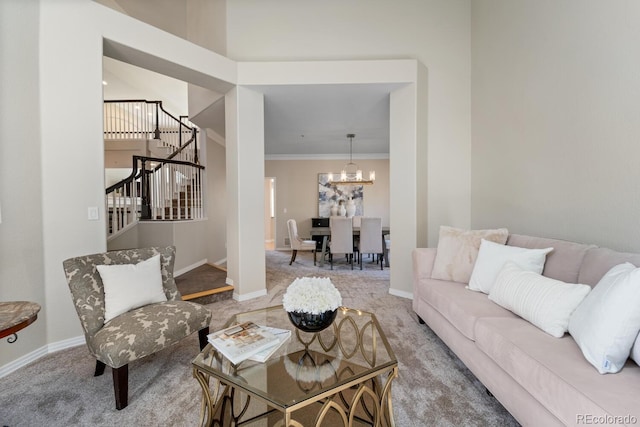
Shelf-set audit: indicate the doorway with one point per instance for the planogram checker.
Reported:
(269, 214)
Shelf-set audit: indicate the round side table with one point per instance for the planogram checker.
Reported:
(16, 315)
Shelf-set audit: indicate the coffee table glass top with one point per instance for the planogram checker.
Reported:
(306, 365)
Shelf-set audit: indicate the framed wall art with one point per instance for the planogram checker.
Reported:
(331, 195)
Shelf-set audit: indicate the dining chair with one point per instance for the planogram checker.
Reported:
(124, 323)
(371, 239)
(387, 249)
(298, 244)
(356, 239)
(341, 241)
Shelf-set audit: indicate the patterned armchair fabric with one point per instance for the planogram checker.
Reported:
(139, 332)
(86, 285)
(147, 330)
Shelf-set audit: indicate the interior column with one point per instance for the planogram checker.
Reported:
(245, 192)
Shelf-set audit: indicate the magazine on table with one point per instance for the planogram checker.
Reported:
(239, 342)
(282, 334)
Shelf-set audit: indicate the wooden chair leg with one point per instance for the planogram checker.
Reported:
(202, 337)
(121, 386)
(293, 256)
(99, 368)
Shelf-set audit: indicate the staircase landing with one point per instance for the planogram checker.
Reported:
(204, 285)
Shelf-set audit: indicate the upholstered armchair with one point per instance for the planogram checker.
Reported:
(140, 331)
(299, 244)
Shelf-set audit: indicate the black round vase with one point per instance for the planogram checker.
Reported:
(308, 322)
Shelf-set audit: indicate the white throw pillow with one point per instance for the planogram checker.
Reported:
(607, 322)
(458, 249)
(545, 302)
(129, 286)
(492, 257)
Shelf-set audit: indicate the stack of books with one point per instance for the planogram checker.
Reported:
(248, 341)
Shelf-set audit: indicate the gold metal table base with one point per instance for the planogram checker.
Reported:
(340, 376)
(224, 405)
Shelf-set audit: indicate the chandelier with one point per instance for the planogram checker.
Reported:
(351, 174)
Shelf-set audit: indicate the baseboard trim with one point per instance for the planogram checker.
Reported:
(249, 296)
(68, 343)
(38, 353)
(401, 294)
(220, 262)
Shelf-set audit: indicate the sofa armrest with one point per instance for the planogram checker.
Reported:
(423, 259)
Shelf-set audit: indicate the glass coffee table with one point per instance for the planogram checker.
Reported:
(337, 377)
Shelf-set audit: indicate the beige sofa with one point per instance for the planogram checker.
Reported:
(539, 379)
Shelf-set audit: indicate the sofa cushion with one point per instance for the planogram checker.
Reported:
(607, 322)
(459, 305)
(547, 303)
(563, 263)
(492, 257)
(598, 261)
(555, 373)
(458, 249)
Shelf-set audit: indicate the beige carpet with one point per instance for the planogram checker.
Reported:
(433, 388)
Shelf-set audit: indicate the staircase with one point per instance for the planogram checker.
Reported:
(166, 179)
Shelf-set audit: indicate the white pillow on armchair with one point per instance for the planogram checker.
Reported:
(129, 286)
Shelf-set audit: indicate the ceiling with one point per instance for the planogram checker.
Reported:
(313, 120)
(300, 120)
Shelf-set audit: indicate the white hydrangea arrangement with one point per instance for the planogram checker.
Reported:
(313, 295)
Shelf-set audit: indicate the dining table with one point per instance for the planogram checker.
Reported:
(325, 233)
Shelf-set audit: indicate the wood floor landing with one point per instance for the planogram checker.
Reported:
(204, 284)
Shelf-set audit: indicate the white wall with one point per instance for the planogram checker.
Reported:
(202, 22)
(72, 162)
(435, 32)
(169, 15)
(216, 202)
(126, 239)
(21, 252)
(556, 119)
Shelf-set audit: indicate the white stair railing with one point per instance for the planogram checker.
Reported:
(176, 192)
(158, 188)
(126, 120)
(123, 204)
